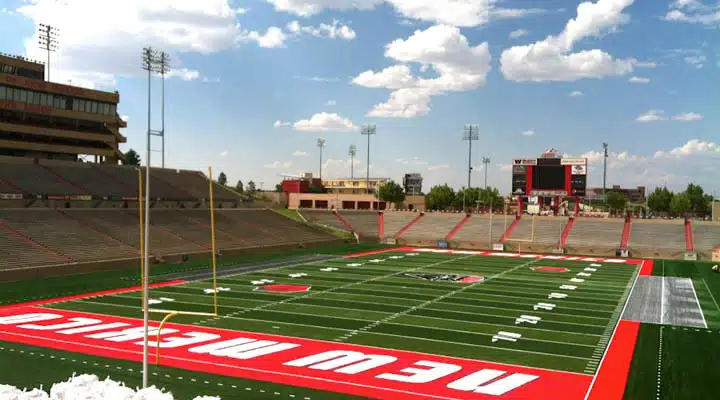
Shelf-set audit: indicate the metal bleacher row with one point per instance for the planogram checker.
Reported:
(32, 177)
(38, 237)
(586, 233)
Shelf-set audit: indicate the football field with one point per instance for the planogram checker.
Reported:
(537, 318)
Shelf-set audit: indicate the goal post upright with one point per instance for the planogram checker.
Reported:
(142, 234)
(212, 240)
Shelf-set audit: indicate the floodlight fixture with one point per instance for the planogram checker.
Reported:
(368, 130)
(351, 152)
(48, 40)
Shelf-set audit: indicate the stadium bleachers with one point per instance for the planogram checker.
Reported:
(83, 235)
(395, 221)
(16, 252)
(665, 235)
(593, 232)
(63, 178)
(433, 226)
(364, 222)
(66, 235)
(706, 235)
(548, 230)
(33, 178)
(477, 229)
(322, 217)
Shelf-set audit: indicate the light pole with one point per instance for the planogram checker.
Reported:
(486, 161)
(605, 157)
(368, 130)
(351, 152)
(148, 64)
(470, 134)
(163, 67)
(320, 145)
(48, 41)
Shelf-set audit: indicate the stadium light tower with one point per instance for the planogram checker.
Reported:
(48, 41)
(470, 134)
(320, 145)
(486, 161)
(162, 67)
(368, 130)
(351, 152)
(605, 157)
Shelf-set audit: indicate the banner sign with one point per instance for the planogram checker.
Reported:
(525, 161)
(579, 169)
(548, 193)
(573, 161)
(80, 197)
(11, 196)
(442, 244)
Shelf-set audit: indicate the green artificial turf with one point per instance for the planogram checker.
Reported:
(706, 282)
(29, 367)
(455, 319)
(684, 367)
(38, 289)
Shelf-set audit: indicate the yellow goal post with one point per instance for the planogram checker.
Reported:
(171, 313)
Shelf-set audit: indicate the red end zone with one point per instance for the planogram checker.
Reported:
(338, 367)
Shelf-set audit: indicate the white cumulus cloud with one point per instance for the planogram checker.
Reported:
(325, 122)
(638, 79)
(332, 31)
(278, 164)
(576, 93)
(518, 33)
(101, 40)
(659, 115)
(692, 147)
(693, 12)
(553, 59)
(460, 67)
(300, 153)
(463, 13)
(528, 133)
(279, 124)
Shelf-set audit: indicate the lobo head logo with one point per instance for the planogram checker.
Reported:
(283, 288)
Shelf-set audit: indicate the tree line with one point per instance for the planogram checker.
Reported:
(693, 200)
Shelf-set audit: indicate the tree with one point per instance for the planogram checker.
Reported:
(681, 203)
(131, 158)
(659, 200)
(491, 197)
(698, 199)
(616, 200)
(440, 197)
(279, 188)
(239, 186)
(251, 188)
(391, 192)
(467, 196)
(222, 179)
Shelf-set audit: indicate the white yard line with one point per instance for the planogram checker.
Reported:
(702, 314)
(662, 298)
(311, 294)
(427, 303)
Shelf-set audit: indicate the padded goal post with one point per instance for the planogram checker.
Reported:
(167, 312)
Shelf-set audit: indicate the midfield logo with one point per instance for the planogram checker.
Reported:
(448, 277)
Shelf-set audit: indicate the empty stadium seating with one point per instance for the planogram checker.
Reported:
(33, 178)
(548, 230)
(364, 222)
(593, 232)
(706, 235)
(322, 217)
(483, 229)
(396, 221)
(37, 237)
(665, 235)
(433, 226)
(63, 178)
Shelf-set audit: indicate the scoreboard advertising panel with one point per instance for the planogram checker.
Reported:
(549, 177)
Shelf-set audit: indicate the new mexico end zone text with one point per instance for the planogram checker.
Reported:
(339, 367)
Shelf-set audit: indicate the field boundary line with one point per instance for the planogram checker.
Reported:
(427, 303)
(702, 314)
(711, 295)
(612, 337)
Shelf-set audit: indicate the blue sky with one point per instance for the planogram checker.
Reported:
(256, 82)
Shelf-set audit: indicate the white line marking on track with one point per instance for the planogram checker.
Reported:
(659, 364)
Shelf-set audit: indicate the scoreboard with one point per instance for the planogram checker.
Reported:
(549, 176)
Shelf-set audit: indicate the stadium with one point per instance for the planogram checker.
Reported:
(169, 278)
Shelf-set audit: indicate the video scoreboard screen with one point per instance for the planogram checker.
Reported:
(549, 177)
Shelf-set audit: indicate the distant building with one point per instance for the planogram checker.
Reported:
(41, 119)
(412, 184)
(353, 186)
(636, 195)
